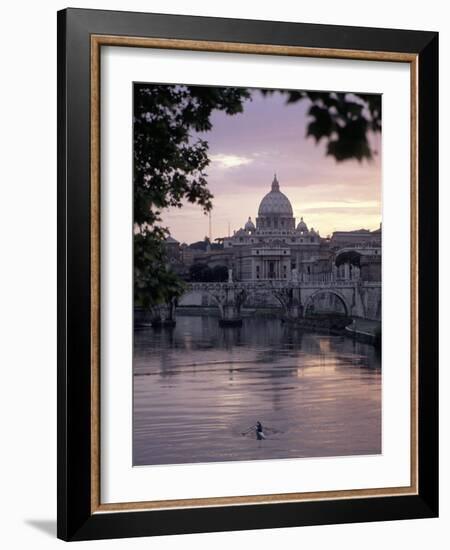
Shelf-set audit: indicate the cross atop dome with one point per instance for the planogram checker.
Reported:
(275, 184)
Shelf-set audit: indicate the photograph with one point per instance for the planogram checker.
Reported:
(257, 276)
(247, 258)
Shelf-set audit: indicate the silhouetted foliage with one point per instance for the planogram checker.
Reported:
(201, 272)
(220, 273)
(349, 257)
(169, 163)
(342, 120)
(154, 282)
(169, 168)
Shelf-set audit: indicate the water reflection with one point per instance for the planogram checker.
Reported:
(198, 386)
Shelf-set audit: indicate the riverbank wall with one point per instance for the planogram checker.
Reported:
(362, 330)
(213, 311)
(366, 331)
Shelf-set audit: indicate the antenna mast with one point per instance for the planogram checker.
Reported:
(210, 228)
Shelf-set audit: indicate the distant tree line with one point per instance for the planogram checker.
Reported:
(200, 272)
(349, 257)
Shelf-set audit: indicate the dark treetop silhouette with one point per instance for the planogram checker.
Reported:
(170, 164)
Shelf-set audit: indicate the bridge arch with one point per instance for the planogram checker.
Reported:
(295, 300)
(228, 298)
(195, 297)
(322, 291)
(213, 294)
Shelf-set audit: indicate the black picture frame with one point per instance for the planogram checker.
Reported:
(76, 520)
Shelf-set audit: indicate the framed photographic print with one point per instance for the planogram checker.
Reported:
(247, 274)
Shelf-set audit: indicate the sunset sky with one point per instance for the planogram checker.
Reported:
(269, 136)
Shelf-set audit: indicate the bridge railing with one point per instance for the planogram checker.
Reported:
(267, 285)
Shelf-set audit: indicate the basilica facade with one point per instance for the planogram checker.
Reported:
(275, 247)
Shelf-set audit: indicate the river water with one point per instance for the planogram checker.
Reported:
(198, 387)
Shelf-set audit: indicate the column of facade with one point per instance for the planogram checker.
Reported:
(346, 272)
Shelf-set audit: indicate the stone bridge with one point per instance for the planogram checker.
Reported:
(357, 298)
